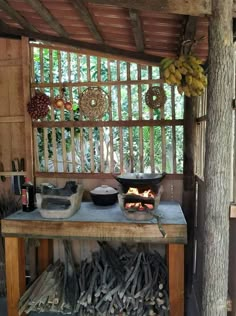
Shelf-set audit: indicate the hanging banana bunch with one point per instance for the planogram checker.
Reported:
(186, 72)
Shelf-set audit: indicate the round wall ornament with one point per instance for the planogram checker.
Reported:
(94, 102)
(38, 107)
(155, 97)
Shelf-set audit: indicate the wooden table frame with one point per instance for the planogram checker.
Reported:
(15, 231)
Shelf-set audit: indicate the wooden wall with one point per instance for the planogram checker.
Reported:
(15, 127)
(172, 185)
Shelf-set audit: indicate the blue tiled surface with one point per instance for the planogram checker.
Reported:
(169, 212)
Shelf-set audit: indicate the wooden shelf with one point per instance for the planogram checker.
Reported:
(90, 175)
(12, 173)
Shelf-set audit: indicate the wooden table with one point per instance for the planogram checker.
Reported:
(99, 223)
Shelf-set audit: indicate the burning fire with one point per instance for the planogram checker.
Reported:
(140, 206)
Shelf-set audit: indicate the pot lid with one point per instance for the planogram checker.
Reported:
(104, 189)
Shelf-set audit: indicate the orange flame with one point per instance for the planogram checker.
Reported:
(147, 193)
(139, 206)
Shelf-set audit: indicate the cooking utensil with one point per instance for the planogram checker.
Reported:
(136, 179)
(104, 195)
(3, 178)
(18, 165)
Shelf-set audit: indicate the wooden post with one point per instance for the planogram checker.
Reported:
(175, 261)
(26, 97)
(188, 183)
(15, 272)
(45, 254)
(218, 160)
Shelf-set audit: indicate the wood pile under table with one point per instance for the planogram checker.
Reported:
(119, 281)
(99, 223)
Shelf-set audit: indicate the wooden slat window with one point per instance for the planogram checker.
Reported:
(130, 137)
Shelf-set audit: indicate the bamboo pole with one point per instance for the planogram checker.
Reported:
(101, 132)
(173, 129)
(102, 83)
(110, 118)
(140, 109)
(152, 154)
(72, 130)
(130, 119)
(54, 143)
(120, 118)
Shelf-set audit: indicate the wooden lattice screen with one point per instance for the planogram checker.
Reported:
(130, 137)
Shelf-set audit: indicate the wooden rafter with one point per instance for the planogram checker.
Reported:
(195, 8)
(131, 123)
(137, 29)
(47, 17)
(189, 33)
(107, 51)
(190, 27)
(84, 13)
(4, 5)
(3, 26)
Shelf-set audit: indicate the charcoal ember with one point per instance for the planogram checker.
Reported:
(38, 106)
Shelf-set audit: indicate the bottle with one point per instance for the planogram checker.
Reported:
(27, 196)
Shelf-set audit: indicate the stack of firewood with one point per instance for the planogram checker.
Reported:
(115, 282)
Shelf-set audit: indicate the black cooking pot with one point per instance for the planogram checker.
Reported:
(136, 179)
(104, 195)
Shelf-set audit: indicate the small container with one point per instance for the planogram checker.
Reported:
(27, 196)
(104, 195)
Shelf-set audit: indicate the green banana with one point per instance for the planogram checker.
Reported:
(166, 62)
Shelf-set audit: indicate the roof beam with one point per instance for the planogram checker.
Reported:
(190, 28)
(47, 17)
(84, 13)
(137, 29)
(189, 33)
(4, 5)
(83, 47)
(195, 8)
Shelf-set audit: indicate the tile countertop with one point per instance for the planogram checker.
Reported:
(100, 222)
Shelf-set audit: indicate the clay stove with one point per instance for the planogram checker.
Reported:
(139, 194)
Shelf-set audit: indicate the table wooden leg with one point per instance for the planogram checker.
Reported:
(175, 261)
(45, 254)
(15, 272)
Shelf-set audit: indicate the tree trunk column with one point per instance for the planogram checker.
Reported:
(217, 161)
